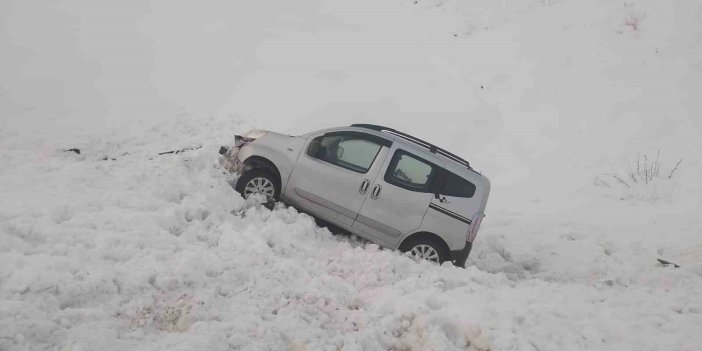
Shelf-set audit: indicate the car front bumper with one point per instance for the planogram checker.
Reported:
(459, 257)
(230, 158)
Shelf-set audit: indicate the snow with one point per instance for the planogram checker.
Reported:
(120, 248)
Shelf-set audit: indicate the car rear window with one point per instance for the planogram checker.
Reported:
(410, 172)
(457, 186)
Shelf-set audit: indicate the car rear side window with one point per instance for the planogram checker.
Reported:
(353, 151)
(410, 172)
(457, 186)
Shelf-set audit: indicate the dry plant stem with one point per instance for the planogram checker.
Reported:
(619, 179)
(672, 172)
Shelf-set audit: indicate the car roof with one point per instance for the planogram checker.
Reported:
(419, 142)
(449, 160)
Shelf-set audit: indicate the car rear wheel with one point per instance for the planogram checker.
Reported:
(427, 248)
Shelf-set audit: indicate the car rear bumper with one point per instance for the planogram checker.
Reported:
(459, 257)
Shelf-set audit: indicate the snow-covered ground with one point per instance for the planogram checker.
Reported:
(119, 248)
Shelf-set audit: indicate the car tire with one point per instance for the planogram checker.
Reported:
(259, 181)
(428, 248)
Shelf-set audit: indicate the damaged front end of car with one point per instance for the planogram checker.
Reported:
(230, 153)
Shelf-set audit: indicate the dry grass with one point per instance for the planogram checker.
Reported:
(642, 177)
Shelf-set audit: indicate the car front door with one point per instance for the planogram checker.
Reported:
(334, 173)
(398, 198)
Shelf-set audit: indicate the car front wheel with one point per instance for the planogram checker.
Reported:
(257, 181)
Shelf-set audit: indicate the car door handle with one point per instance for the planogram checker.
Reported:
(376, 191)
(364, 186)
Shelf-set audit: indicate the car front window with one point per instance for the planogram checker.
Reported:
(350, 151)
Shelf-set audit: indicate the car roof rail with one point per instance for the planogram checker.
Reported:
(432, 148)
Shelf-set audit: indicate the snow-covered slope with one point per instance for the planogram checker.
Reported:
(119, 248)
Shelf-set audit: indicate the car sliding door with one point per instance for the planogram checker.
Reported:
(398, 198)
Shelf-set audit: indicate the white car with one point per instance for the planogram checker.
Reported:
(375, 182)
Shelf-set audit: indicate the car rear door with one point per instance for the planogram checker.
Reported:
(452, 210)
(399, 197)
(333, 175)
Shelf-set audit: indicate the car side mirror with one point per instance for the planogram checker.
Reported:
(317, 149)
(339, 152)
(323, 152)
(314, 148)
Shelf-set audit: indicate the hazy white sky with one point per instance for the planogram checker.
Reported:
(124, 59)
(520, 87)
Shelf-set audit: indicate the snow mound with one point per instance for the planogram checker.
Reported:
(140, 251)
(160, 252)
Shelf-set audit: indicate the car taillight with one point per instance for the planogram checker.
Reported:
(474, 226)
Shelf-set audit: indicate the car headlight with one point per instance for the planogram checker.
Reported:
(255, 134)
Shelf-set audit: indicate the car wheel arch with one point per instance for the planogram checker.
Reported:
(421, 235)
(262, 163)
